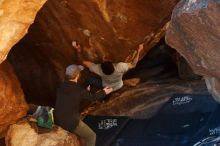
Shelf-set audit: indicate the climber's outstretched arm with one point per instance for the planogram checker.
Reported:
(87, 64)
(133, 63)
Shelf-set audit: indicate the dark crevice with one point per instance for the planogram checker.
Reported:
(158, 64)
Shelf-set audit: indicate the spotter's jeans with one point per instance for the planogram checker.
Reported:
(86, 133)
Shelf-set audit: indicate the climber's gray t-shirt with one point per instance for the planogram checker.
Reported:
(114, 80)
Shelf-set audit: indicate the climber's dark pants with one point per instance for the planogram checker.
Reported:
(95, 82)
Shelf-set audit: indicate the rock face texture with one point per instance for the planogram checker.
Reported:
(213, 85)
(12, 105)
(194, 32)
(185, 72)
(105, 29)
(27, 133)
(15, 18)
(144, 100)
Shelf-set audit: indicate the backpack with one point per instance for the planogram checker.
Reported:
(44, 116)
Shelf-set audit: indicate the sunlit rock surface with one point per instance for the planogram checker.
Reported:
(194, 32)
(12, 103)
(15, 18)
(26, 133)
(106, 29)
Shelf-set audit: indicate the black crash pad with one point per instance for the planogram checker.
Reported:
(185, 120)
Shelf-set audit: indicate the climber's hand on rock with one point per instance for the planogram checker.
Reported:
(108, 90)
(76, 46)
(141, 47)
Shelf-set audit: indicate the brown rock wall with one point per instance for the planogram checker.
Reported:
(105, 29)
(13, 105)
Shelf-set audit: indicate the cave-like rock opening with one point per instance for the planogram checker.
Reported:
(158, 64)
(107, 30)
(39, 78)
(40, 58)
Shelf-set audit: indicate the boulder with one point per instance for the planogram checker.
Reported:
(105, 30)
(194, 31)
(26, 133)
(13, 105)
(15, 18)
(144, 100)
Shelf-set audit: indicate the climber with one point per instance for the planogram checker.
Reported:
(111, 73)
(69, 97)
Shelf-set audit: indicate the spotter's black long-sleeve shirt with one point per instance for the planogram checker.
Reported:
(69, 97)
